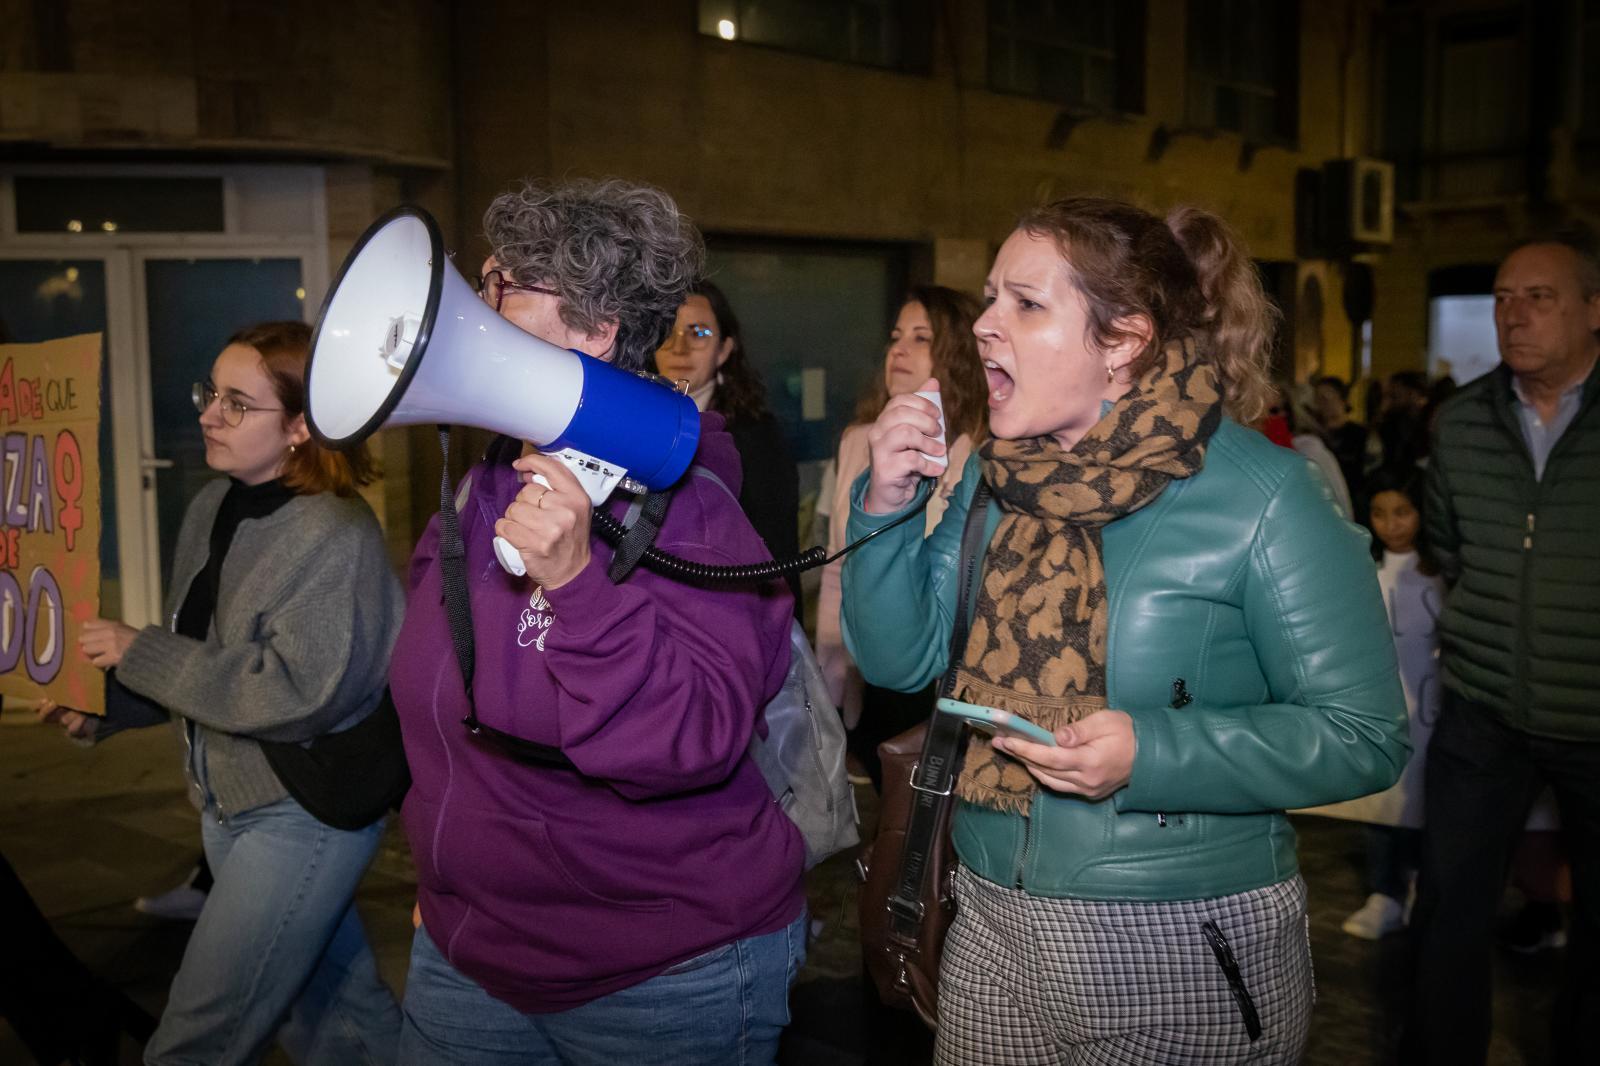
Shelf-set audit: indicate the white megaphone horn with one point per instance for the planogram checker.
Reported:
(403, 340)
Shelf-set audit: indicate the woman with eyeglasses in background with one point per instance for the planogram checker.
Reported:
(930, 346)
(705, 350)
(282, 612)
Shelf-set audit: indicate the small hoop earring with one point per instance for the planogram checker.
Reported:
(1111, 375)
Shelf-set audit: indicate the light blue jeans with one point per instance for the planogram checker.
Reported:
(279, 950)
(727, 1007)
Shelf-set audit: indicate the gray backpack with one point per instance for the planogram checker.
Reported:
(802, 755)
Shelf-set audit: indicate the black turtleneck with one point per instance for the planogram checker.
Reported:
(241, 502)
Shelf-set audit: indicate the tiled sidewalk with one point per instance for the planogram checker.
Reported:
(89, 830)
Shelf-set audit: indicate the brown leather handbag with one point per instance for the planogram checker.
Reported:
(907, 906)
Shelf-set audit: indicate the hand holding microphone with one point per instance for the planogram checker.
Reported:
(907, 444)
(546, 528)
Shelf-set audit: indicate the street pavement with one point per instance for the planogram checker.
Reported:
(91, 829)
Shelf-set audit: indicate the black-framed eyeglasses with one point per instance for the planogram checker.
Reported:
(494, 285)
(233, 408)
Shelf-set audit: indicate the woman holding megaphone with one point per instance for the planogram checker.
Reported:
(642, 902)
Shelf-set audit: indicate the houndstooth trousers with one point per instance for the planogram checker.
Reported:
(1029, 981)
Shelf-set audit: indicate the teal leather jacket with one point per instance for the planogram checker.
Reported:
(1241, 582)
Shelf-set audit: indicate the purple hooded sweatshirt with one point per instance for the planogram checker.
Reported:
(551, 887)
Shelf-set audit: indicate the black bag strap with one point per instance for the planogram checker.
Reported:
(452, 567)
(453, 576)
(933, 778)
(641, 534)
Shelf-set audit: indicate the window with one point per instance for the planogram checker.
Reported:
(1477, 113)
(1244, 68)
(1589, 70)
(1455, 97)
(63, 204)
(1401, 87)
(1461, 337)
(1082, 53)
(881, 33)
(1481, 130)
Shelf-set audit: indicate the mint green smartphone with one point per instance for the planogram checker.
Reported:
(995, 721)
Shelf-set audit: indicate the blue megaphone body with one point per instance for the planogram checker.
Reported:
(403, 340)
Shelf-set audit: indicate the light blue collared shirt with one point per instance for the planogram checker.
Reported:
(1542, 436)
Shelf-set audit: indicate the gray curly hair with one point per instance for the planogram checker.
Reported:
(615, 251)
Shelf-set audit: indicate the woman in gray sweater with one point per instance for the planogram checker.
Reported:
(281, 616)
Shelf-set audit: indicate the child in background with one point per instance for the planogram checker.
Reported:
(1414, 594)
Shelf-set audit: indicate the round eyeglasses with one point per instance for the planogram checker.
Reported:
(494, 285)
(233, 408)
(694, 335)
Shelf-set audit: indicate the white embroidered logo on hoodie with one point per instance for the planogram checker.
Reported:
(535, 622)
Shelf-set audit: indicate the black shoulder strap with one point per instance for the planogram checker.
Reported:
(452, 575)
(934, 777)
(641, 534)
(452, 566)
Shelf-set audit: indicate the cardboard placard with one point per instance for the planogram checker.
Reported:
(50, 519)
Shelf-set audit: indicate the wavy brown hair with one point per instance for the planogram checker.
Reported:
(285, 349)
(963, 388)
(1188, 275)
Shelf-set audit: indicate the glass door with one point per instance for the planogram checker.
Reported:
(168, 261)
(190, 307)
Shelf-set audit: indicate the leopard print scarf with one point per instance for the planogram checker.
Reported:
(1037, 646)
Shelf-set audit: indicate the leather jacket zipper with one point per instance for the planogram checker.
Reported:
(1223, 951)
(1180, 700)
(1027, 846)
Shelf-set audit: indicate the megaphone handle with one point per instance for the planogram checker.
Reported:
(511, 559)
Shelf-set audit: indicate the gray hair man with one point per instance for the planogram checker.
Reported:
(1513, 514)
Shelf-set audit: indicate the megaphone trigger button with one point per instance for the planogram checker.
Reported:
(509, 558)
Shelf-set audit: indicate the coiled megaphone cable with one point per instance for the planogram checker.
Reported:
(689, 572)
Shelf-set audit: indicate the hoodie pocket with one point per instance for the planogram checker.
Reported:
(530, 919)
(492, 858)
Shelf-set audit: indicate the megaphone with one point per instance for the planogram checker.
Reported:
(403, 340)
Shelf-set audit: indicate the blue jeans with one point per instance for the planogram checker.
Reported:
(279, 950)
(727, 1007)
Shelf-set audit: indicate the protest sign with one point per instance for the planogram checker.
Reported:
(50, 519)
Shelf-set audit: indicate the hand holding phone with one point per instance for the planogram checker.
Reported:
(996, 722)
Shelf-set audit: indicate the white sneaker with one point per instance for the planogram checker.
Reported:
(1377, 918)
(179, 904)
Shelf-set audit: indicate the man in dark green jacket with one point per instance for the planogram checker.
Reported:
(1513, 514)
